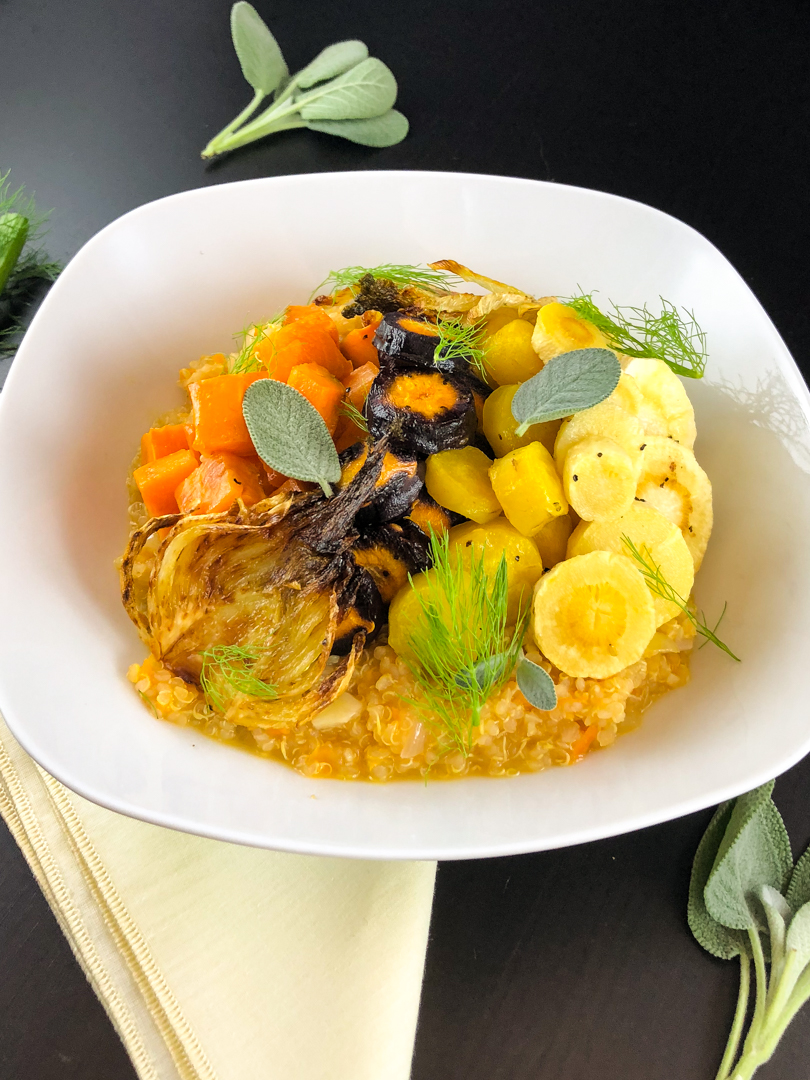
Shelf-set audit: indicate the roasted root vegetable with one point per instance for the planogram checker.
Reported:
(400, 335)
(559, 329)
(509, 356)
(500, 426)
(161, 441)
(301, 342)
(459, 480)
(593, 615)
(217, 483)
(599, 479)
(314, 315)
(358, 346)
(428, 516)
(361, 608)
(396, 489)
(652, 534)
(219, 425)
(421, 411)
(268, 579)
(358, 384)
(552, 540)
(321, 389)
(527, 486)
(158, 480)
(389, 554)
(524, 565)
(672, 481)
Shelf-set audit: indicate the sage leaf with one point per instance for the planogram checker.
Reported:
(778, 914)
(798, 893)
(332, 61)
(715, 938)
(798, 936)
(259, 54)
(485, 673)
(754, 851)
(369, 89)
(385, 130)
(536, 685)
(289, 433)
(569, 383)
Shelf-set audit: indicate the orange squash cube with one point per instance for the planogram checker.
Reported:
(158, 480)
(159, 442)
(217, 483)
(219, 426)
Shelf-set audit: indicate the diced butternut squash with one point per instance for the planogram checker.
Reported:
(219, 426)
(347, 433)
(298, 343)
(359, 383)
(358, 346)
(459, 480)
(528, 488)
(311, 313)
(162, 441)
(217, 483)
(158, 480)
(321, 390)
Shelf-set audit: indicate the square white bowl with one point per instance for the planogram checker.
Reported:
(174, 279)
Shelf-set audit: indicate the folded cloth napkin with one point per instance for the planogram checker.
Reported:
(220, 962)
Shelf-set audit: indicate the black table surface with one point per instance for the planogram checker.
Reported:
(573, 964)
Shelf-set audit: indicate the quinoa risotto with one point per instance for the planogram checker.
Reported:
(367, 550)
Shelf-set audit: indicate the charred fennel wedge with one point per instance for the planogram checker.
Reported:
(270, 579)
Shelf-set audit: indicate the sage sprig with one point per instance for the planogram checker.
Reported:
(747, 899)
(343, 91)
(289, 434)
(569, 383)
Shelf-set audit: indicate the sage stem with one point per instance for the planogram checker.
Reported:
(211, 150)
(739, 1019)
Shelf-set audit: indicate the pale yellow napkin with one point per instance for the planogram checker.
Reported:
(220, 962)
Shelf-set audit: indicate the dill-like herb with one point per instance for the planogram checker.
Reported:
(464, 340)
(246, 361)
(149, 702)
(33, 268)
(402, 276)
(227, 671)
(674, 337)
(658, 584)
(349, 410)
(463, 651)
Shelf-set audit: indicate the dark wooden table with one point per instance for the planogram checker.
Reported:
(569, 965)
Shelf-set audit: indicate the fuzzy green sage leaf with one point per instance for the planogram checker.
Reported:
(257, 50)
(715, 938)
(385, 130)
(289, 434)
(332, 61)
(798, 891)
(343, 91)
(369, 89)
(536, 685)
(754, 851)
(569, 383)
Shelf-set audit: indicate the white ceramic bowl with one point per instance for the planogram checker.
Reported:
(175, 279)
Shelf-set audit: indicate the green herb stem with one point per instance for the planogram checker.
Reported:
(659, 585)
(462, 647)
(733, 1044)
(212, 149)
(674, 338)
